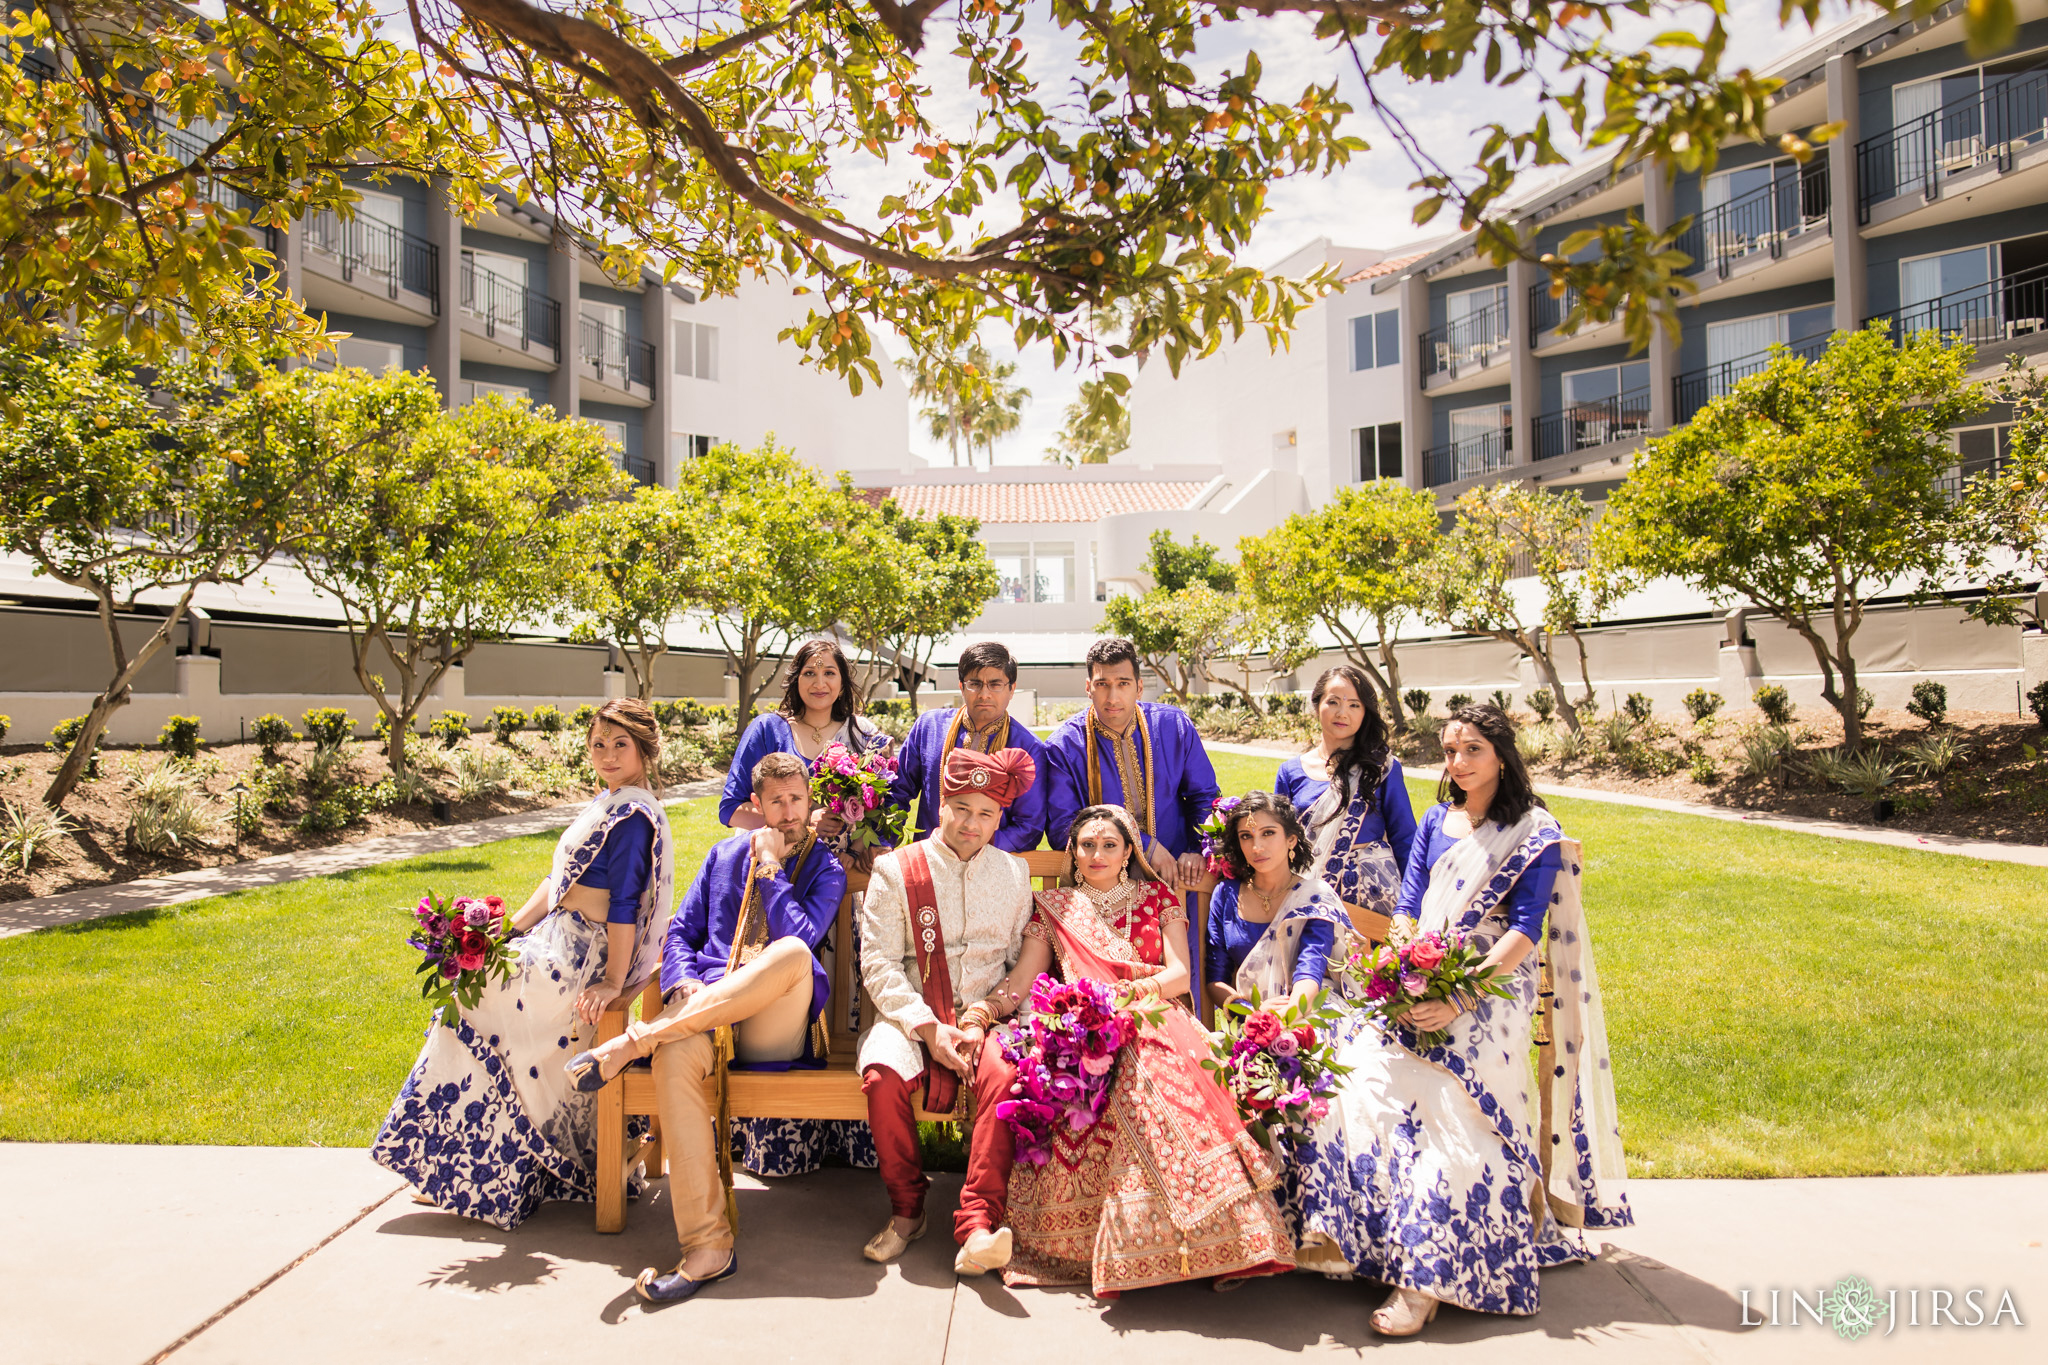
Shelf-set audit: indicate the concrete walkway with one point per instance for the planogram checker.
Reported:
(125, 1255)
(2029, 854)
(153, 893)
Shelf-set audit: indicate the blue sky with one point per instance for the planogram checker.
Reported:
(1368, 203)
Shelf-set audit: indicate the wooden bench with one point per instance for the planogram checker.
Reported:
(828, 1092)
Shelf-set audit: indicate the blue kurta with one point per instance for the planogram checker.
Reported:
(1232, 938)
(1391, 819)
(699, 939)
(770, 734)
(917, 777)
(1183, 790)
(1524, 906)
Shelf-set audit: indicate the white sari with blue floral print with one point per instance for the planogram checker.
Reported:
(488, 1124)
(1435, 1182)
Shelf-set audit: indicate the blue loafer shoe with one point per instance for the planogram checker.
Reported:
(674, 1286)
(585, 1072)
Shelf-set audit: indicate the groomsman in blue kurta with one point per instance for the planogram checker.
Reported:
(988, 679)
(1144, 756)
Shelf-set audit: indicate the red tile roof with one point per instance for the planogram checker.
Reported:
(1386, 267)
(1042, 502)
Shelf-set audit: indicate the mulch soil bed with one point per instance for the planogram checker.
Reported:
(99, 852)
(1994, 792)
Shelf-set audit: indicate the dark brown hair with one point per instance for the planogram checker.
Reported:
(1516, 794)
(636, 718)
(1263, 802)
(1111, 652)
(1134, 863)
(845, 706)
(987, 654)
(1361, 765)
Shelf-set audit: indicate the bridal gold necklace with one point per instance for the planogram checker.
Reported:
(1115, 898)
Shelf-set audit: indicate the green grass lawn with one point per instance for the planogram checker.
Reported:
(1778, 1004)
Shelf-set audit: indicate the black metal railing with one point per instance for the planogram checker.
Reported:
(1694, 389)
(641, 470)
(1956, 480)
(612, 356)
(1469, 458)
(1997, 310)
(1795, 204)
(1465, 344)
(1596, 422)
(513, 315)
(1984, 127)
(1546, 314)
(392, 257)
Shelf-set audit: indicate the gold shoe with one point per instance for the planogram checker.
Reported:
(886, 1245)
(1406, 1312)
(983, 1251)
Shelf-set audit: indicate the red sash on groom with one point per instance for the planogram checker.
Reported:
(941, 1085)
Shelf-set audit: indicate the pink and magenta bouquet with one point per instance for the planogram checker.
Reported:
(1278, 1064)
(1063, 1044)
(855, 787)
(466, 941)
(1211, 831)
(1405, 971)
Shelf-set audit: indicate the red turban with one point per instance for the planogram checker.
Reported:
(1002, 776)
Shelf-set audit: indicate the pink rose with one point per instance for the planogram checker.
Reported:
(1262, 1028)
(1319, 1111)
(1425, 954)
(1413, 984)
(1285, 1045)
(469, 962)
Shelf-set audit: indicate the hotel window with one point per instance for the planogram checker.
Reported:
(1376, 340)
(471, 390)
(695, 350)
(1378, 450)
(684, 446)
(374, 356)
(1043, 572)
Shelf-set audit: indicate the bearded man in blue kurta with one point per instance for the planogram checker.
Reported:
(1144, 756)
(988, 679)
(740, 951)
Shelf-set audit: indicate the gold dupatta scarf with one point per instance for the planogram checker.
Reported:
(984, 741)
(1128, 774)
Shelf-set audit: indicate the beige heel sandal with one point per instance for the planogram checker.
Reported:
(1405, 1313)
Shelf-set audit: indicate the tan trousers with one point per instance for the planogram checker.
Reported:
(768, 1002)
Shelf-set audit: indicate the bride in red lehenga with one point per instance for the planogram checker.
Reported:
(1167, 1185)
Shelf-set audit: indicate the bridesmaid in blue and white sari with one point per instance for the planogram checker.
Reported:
(1449, 1197)
(488, 1124)
(820, 706)
(1352, 796)
(1274, 928)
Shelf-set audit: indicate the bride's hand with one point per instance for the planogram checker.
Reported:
(592, 1000)
(1431, 1015)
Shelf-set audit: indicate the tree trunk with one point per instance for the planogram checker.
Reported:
(1843, 699)
(1392, 687)
(1540, 653)
(116, 694)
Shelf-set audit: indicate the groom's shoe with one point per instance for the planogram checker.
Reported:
(674, 1286)
(888, 1244)
(983, 1251)
(586, 1074)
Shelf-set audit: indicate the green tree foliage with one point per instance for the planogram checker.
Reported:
(435, 531)
(942, 579)
(118, 488)
(2005, 508)
(635, 577)
(1514, 567)
(1194, 627)
(772, 558)
(1095, 426)
(1807, 491)
(1358, 559)
(151, 144)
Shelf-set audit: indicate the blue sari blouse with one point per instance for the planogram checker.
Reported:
(1524, 906)
(621, 867)
(1232, 938)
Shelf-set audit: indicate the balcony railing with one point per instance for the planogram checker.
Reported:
(641, 470)
(612, 356)
(1997, 310)
(513, 315)
(393, 258)
(1470, 457)
(1760, 222)
(1984, 127)
(1547, 313)
(1694, 389)
(1466, 344)
(1599, 422)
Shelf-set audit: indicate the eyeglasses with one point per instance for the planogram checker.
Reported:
(973, 685)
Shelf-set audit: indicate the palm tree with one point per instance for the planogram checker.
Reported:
(996, 406)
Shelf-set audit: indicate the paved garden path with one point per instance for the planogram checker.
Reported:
(126, 1255)
(121, 898)
(2030, 854)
